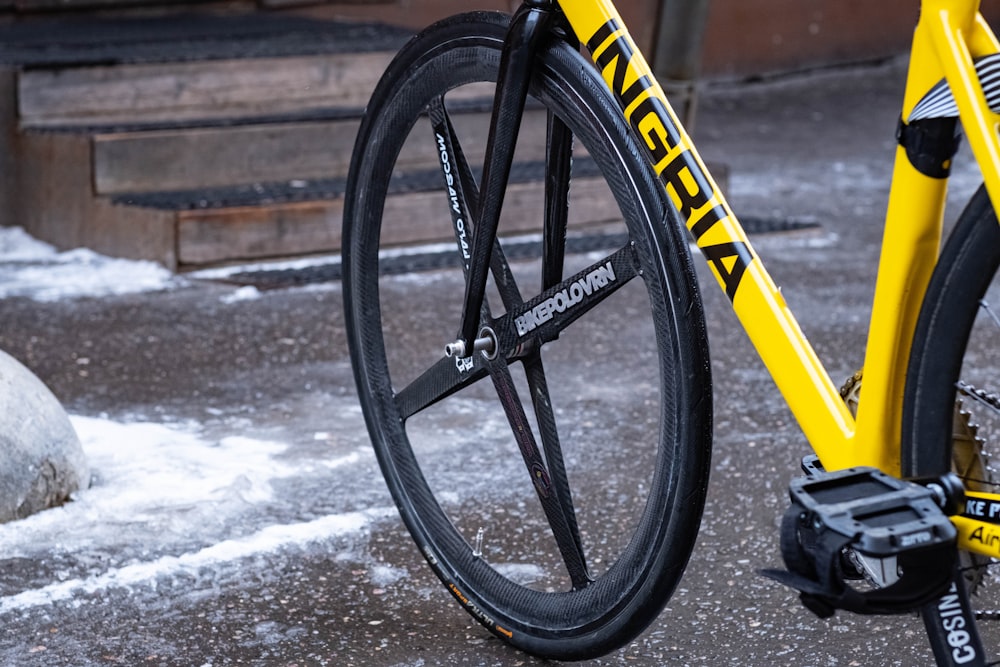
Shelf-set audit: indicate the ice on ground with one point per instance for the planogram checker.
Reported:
(270, 538)
(223, 272)
(386, 575)
(36, 270)
(151, 479)
(167, 500)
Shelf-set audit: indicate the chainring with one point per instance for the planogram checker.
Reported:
(969, 461)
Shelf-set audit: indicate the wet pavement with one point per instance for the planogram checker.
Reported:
(301, 560)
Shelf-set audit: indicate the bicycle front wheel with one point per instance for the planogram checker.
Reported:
(555, 486)
(952, 403)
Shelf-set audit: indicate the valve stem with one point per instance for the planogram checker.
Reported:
(477, 551)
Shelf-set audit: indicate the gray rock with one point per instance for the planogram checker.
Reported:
(41, 459)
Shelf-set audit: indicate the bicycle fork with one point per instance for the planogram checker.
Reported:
(547, 473)
(523, 37)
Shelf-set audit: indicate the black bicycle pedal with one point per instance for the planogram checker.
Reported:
(862, 525)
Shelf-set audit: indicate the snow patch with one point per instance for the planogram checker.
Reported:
(245, 293)
(385, 575)
(149, 478)
(164, 489)
(36, 270)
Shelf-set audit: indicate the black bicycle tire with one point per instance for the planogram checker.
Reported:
(603, 616)
(967, 265)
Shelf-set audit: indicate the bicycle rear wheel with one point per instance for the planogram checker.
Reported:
(556, 489)
(952, 402)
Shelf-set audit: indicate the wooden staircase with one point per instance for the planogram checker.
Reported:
(126, 134)
(187, 140)
(195, 140)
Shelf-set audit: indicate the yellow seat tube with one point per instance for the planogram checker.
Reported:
(907, 260)
(909, 250)
(946, 37)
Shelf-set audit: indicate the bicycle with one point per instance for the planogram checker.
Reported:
(897, 510)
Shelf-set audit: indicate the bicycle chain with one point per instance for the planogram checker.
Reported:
(965, 430)
(987, 398)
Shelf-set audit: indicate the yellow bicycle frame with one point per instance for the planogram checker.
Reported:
(949, 35)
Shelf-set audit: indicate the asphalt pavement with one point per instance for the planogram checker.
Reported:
(311, 566)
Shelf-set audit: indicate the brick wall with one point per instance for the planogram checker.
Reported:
(742, 37)
(754, 36)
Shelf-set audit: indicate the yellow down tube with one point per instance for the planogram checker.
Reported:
(758, 303)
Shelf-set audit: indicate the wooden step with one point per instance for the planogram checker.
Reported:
(144, 161)
(213, 157)
(170, 93)
(175, 69)
(214, 236)
(54, 201)
(216, 225)
(81, 40)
